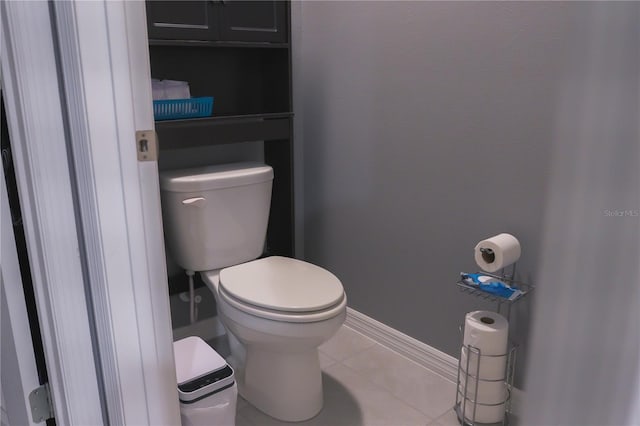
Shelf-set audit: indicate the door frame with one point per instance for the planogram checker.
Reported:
(18, 370)
(34, 118)
(76, 91)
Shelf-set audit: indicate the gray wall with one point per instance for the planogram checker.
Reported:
(426, 127)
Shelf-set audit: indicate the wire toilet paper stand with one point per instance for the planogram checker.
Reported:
(503, 306)
(468, 408)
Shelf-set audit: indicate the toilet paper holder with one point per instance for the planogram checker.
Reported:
(508, 277)
(467, 406)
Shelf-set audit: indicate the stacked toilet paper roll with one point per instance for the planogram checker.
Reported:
(483, 366)
(497, 252)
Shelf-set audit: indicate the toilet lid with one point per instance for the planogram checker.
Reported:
(282, 284)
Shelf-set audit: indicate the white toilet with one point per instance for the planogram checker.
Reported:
(279, 309)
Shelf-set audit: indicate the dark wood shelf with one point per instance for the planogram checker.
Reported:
(176, 134)
(205, 43)
(240, 53)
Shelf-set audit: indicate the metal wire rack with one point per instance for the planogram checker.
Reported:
(503, 304)
(468, 408)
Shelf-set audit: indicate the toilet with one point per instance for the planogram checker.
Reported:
(276, 310)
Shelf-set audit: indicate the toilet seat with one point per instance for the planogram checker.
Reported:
(282, 289)
(281, 316)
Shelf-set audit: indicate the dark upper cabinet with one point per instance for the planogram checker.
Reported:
(257, 21)
(221, 20)
(182, 20)
(238, 52)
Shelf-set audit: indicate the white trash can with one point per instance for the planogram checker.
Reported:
(206, 384)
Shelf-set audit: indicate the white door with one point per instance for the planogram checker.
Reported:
(18, 373)
(77, 87)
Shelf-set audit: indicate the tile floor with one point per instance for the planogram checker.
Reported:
(367, 384)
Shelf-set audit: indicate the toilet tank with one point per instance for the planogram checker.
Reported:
(216, 216)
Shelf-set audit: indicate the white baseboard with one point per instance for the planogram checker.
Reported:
(417, 351)
(422, 354)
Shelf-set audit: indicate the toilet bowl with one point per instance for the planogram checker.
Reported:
(276, 310)
(280, 372)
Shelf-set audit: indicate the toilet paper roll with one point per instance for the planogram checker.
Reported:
(488, 331)
(489, 393)
(491, 398)
(483, 413)
(497, 252)
(488, 367)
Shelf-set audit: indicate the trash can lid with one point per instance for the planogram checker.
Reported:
(195, 358)
(200, 370)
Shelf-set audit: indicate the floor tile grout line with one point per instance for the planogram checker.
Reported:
(357, 351)
(389, 390)
(417, 364)
(382, 388)
(327, 355)
(403, 356)
(331, 359)
(443, 415)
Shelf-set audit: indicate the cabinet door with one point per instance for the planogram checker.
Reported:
(255, 21)
(182, 20)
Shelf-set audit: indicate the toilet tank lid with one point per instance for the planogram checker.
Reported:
(215, 177)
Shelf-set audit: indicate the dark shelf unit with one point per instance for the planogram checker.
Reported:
(176, 134)
(239, 53)
(223, 20)
(197, 43)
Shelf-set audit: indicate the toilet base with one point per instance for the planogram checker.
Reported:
(286, 386)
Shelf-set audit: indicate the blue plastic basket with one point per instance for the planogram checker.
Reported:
(175, 109)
